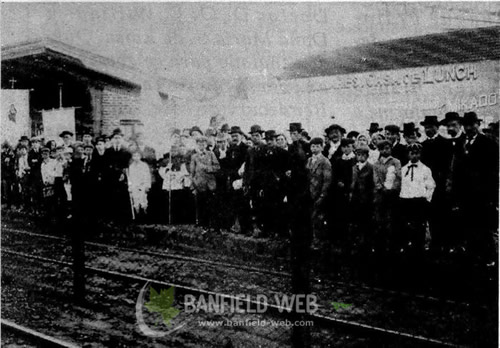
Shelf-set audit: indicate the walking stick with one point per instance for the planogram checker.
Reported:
(130, 197)
(170, 188)
(196, 207)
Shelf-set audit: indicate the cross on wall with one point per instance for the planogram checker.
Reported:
(12, 82)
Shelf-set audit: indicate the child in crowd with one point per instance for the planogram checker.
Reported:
(139, 183)
(387, 176)
(417, 187)
(341, 186)
(361, 200)
(48, 172)
(320, 175)
(176, 183)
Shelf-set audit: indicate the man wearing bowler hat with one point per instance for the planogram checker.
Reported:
(332, 150)
(274, 167)
(117, 159)
(434, 150)
(399, 151)
(252, 178)
(374, 128)
(299, 203)
(67, 138)
(236, 156)
(477, 181)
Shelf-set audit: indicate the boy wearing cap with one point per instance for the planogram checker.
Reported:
(417, 187)
(319, 176)
(387, 176)
(341, 185)
(361, 200)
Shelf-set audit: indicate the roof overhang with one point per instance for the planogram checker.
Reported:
(71, 57)
(459, 46)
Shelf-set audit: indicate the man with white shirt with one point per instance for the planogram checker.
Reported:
(417, 188)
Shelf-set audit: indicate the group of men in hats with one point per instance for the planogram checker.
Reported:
(378, 192)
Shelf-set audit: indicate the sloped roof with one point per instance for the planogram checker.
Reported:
(79, 56)
(459, 46)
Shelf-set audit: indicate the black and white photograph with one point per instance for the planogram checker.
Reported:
(249, 174)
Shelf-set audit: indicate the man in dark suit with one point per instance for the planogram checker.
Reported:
(434, 150)
(236, 156)
(452, 155)
(332, 149)
(274, 167)
(298, 198)
(224, 214)
(398, 150)
(252, 179)
(35, 175)
(477, 176)
(117, 160)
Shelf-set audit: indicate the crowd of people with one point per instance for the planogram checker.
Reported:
(373, 191)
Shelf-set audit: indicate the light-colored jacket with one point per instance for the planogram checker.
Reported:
(203, 167)
(320, 177)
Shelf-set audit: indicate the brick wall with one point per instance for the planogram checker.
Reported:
(117, 104)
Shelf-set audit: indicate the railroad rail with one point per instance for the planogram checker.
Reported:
(320, 320)
(31, 335)
(247, 268)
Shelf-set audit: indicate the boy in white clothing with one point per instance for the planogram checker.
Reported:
(139, 183)
(417, 187)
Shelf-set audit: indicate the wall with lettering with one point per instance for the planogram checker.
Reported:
(355, 100)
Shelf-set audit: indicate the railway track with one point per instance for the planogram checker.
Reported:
(225, 265)
(40, 339)
(319, 320)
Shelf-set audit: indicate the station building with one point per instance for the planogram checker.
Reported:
(48, 86)
(393, 81)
